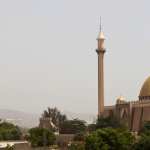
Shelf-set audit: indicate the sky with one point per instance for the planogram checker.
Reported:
(48, 58)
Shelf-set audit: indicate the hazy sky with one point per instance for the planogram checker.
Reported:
(48, 58)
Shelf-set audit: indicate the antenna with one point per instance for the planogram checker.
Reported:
(100, 24)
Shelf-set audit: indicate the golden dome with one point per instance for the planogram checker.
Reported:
(120, 100)
(145, 90)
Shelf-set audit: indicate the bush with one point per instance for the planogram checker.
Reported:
(41, 137)
(9, 131)
(73, 127)
(92, 127)
(145, 128)
(109, 122)
(76, 146)
(143, 143)
(109, 139)
(79, 137)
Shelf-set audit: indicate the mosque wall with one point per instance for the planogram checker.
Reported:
(136, 118)
(146, 114)
(133, 115)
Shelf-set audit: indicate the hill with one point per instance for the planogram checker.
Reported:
(28, 120)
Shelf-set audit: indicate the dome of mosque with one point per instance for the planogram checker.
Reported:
(120, 100)
(145, 90)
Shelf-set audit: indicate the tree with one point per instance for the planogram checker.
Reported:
(105, 122)
(73, 126)
(109, 139)
(92, 127)
(57, 117)
(76, 146)
(9, 131)
(41, 137)
(79, 137)
(146, 128)
(143, 143)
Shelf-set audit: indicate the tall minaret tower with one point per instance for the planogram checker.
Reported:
(100, 51)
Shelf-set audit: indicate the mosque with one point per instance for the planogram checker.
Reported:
(131, 113)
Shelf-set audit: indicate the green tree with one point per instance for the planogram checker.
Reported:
(106, 122)
(57, 117)
(143, 143)
(73, 126)
(146, 128)
(41, 137)
(9, 131)
(109, 139)
(92, 127)
(76, 146)
(79, 137)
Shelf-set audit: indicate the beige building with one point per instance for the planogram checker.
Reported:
(132, 113)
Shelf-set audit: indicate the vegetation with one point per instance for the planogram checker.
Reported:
(73, 126)
(146, 128)
(57, 117)
(143, 143)
(106, 134)
(109, 139)
(76, 146)
(79, 137)
(91, 127)
(107, 122)
(41, 137)
(9, 131)
(144, 140)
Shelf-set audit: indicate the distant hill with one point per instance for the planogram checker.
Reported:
(29, 120)
(19, 118)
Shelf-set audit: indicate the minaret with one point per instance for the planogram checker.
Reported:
(100, 51)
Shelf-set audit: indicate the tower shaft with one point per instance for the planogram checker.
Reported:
(100, 81)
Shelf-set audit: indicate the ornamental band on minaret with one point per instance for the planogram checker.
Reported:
(100, 51)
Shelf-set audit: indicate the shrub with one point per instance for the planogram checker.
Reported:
(41, 137)
(9, 131)
(109, 139)
(76, 146)
(73, 127)
(79, 137)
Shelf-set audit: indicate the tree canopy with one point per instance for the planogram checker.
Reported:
(9, 131)
(41, 137)
(73, 126)
(143, 143)
(57, 117)
(109, 139)
(146, 128)
(107, 122)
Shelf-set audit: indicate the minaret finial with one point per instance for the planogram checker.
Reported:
(100, 35)
(100, 24)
